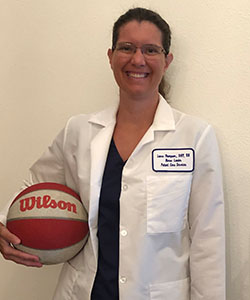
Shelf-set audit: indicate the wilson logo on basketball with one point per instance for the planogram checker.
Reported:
(45, 202)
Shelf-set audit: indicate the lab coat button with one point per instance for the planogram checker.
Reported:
(125, 187)
(123, 279)
(124, 232)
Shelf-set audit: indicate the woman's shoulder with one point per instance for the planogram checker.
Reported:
(86, 120)
(188, 120)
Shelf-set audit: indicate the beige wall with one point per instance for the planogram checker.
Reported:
(53, 65)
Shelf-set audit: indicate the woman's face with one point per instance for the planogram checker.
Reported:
(136, 74)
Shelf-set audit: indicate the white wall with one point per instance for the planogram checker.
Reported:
(53, 64)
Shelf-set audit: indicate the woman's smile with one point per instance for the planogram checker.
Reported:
(136, 75)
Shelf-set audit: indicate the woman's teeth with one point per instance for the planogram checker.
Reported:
(137, 75)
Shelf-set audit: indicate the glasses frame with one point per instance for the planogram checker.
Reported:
(142, 48)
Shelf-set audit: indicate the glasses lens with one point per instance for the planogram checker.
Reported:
(151, 50)
(125, 48)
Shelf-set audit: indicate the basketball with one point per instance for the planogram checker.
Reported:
(50, 220)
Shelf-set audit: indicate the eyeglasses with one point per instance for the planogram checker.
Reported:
(148, 50)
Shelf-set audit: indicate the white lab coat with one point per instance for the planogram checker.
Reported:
(171, 223)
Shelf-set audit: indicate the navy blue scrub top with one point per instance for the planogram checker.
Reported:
(106, 280)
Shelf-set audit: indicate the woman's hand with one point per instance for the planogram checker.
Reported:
(10, 253)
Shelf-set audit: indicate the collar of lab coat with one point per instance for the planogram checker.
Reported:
(163, 120)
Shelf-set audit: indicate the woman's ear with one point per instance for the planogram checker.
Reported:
(168, 59)
(110, 55)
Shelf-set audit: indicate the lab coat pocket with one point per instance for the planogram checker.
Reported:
(167, 202)
(174, 290)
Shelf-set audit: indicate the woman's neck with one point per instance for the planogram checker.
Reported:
(136, 110)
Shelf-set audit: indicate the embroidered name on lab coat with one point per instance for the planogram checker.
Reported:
(173, 160)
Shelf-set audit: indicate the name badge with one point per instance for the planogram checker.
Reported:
(173, 160)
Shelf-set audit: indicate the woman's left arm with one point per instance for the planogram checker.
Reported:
(206, 222)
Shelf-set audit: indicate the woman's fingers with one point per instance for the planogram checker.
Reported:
(10, 253)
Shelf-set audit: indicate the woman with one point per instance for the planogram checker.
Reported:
(150, 179)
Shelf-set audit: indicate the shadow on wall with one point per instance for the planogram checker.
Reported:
(237, 285)
(240, 285)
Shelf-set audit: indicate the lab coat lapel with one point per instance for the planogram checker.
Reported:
(102, 129)
(163, 121)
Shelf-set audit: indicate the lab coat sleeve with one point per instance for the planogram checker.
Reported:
(206, 222)
(49, 168)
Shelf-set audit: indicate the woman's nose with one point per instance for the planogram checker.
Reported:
(138, 58)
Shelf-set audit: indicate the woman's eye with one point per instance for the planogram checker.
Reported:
(151, 50)
(126, 48)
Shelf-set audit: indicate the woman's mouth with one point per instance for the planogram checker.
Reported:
(136, 74)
